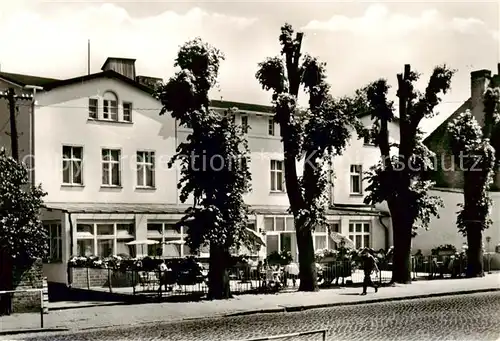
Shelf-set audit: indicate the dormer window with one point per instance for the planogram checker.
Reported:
(110, 107)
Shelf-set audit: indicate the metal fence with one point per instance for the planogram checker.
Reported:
(443, 266)
(242, 280)
(193, 282)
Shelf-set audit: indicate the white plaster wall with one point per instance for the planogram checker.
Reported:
(62, 119)
(444, 230)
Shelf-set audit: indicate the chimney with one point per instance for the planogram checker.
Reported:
(479, 81)
(124, 66)
(150, 82)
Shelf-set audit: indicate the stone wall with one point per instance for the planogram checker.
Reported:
(84, 278)
(27, 276)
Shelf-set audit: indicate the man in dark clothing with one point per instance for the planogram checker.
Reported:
(369, 264)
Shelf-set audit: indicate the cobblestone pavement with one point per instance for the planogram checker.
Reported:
(464, 317)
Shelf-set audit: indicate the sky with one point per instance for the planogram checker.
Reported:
(360, 41)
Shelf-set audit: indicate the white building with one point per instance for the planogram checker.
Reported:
(95, 138)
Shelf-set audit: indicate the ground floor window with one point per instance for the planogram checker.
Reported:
(323, 238)
(280, 235)
(54, 233)
(170, 240)
(359, 233)
(105, 239)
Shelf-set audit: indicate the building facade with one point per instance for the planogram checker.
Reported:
(100, 149)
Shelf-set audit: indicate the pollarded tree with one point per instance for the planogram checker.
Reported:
(213, 172)
(477, 159)
(22, 236)
(399, 179)
(314, 135)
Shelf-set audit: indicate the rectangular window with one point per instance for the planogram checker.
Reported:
(271, 127)
(286, 242)
(85, 247)
(333, 227)
(269, 224)
(72, 161)
(54, 232)
(359, 233)
(105, 239)
(127, 112)
(93, 108)
(110, 110)
(244, 124)
(145, 169)
(171, 240)
(277, 176)
(272, 243)
(279, 224)
(356, 179)
(111, 172)
(319, 242)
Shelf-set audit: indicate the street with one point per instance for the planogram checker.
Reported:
(466, 317)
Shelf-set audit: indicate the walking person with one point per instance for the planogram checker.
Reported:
(369, 264)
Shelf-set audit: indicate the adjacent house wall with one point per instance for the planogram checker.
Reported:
(444, 230)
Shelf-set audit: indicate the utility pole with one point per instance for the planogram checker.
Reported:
(11, 99)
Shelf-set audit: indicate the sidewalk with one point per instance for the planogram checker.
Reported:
(128, 315)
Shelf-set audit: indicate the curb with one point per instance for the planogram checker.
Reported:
(89, 306)
(291, 309)
(33, 330)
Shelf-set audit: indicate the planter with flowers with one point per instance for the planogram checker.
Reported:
(279, 258)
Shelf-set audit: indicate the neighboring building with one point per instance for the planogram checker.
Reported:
(448, 173)
(101, 152)
(449, 178)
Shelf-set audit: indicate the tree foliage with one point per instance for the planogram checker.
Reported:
(472, 145)
(211, 158)
(315, 135)
(399, 178)
(21, 232)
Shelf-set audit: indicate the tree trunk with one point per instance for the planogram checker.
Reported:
(402, 230)
(6, 268)
(307, 265)
(474, 250)
(218, 277)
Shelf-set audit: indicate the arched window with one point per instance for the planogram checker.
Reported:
(110, 106)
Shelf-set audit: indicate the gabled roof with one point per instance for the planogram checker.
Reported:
(51, 83)
(23, 80)
(440, 131)
(107, 74)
